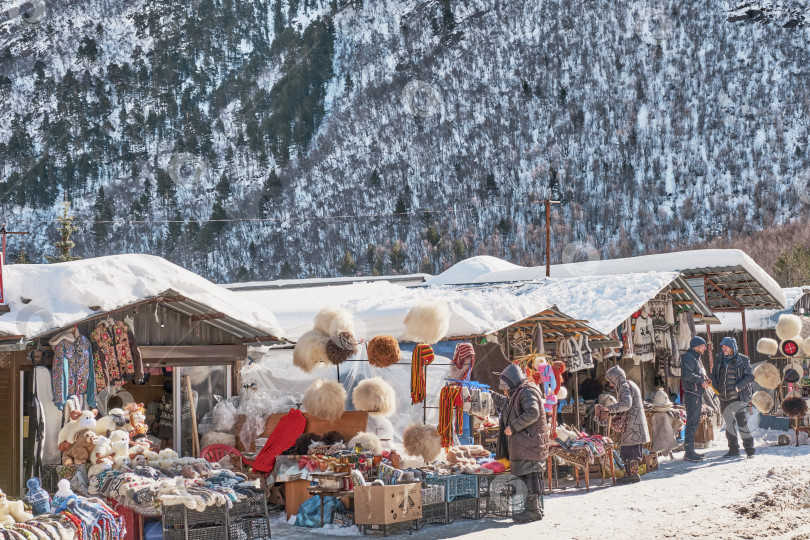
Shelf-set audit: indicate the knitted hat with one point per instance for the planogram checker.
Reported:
(37, 497)
(696, 341)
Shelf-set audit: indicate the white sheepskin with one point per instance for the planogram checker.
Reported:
(374, 395)
(789, 326)
(368, 441)
(218, 437)
(768, 346)
(333, 320)
(767, 376)
(427, 322)
(562, 393)
(310, 351)
(423, 441)
(806, 346)
(325, 399)
(762, 401)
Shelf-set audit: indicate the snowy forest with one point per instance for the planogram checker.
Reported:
(261, 139)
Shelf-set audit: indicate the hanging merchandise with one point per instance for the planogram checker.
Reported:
(71, 367)
(685, 328)
(449, 402)
(422, 356)
(116, 357)
(283, 437)
(383, 351)
(463, 360)
(537, 340)
(576, 353)
(643, 336)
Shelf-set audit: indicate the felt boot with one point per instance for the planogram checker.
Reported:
(732, 453)
(690, 455)
(532, 511)
(750, 452)
(631, 470)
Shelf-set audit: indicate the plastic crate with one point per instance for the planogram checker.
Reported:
(435, 513)
(462, 509)
(484, 481)
(432, 495)
(249, 529)
(456, 485)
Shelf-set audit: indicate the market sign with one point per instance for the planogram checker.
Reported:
(790, 347)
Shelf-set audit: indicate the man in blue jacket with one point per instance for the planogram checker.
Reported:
(694, 383)
(732, 377)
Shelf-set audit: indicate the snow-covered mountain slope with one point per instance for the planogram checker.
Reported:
(270, 138)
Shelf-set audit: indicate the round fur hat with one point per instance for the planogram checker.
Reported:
(423, 441)
(375, 396)
(762, 401)
(310, 351)
(340, 347)
(383, 351)
(806, 346)
(562, 393)
(333, 320)
(767, 376)
(427, 322)
(767, 346)
(325, 399)
(797, 340)
(789, 326)
(793, 372)
(794, 406)
(368, 441)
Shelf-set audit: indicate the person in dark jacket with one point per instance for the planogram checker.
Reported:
(694, 383)
(732, 377)
(523, 423)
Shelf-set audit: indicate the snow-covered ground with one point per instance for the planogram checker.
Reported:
(763, 497)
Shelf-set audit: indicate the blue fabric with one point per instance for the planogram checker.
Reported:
(691, 375)
(697, 341)
(309, 513)
(731, 343)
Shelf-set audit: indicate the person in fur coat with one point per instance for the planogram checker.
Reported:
(732, 377)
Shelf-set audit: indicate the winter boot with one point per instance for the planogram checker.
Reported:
(631, 470)
(732, 453)
(532, 511)
(750, 452)
(690, 454)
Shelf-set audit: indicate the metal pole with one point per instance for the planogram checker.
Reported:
(548, 238)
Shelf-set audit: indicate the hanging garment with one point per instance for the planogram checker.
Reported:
(685, 329)
(449, 403)
(283, 437)
(116, 357)
(627, 339)
(537, 340)
(462, 363)
(643, 336)
(674, 364)
(71, 366)
(422, 356)
(549, 385)
(51, 416)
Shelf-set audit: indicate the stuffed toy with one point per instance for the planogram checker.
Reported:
(37, 498)
(12, 512)
(310, 351)
(375, 396)
(340, 348)
(119, 449)
(788, 327)
(137, 419)
(101, 450)
(427, 322)
(767, 346)
(99, 466)
(115, 419)
(383, 351)
(333, 320)
(80, 451)
(368, 441)
(122, 462)
(762, 401)
(423, 441)
(767, 375)
(325, 399)
(79, 420)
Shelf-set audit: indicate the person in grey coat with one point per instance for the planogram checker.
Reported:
(732, 377)
(523, 425)
(694, 382)
(636, 433)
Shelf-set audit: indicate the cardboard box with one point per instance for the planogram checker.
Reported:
(383, 505)
(651, 461)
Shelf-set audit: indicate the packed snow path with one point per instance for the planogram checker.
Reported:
(763, 497)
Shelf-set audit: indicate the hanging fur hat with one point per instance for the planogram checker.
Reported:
(793, 372)
(333, 320)
(794, 406)
(341, 347)
(375, 396)
(762, 401)
(423, 441)
(325, 399)
(332, 437)
(797, 340)
(767, 346)
(562, 393)
(767, 376)
(806, 346)
(427, 322)
(788, 327)
(383, 351)
(368, 441)
(310, 351)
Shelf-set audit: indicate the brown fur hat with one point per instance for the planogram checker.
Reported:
(423, 441)
(794, 406)
(332, 437)
(325, 399)
(383, 351)
(301, 446)
(340, 348)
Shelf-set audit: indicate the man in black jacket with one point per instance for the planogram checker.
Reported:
(732, 377)
(694, 384)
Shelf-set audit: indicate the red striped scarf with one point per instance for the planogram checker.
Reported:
(449, 399)
(422, 356)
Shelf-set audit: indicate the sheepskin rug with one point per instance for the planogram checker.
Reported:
(310, 351)
(767, 376)
(375, 396)
(368, 441)
(427, 322)
(333, 320)
(762, 401)
(789, 326)
(423, 441)
(340, 347)
(325, 399)
(767, 346)
(383, 351)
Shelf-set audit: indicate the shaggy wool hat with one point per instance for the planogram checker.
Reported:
(333, 320)
(768, 346)
(341, 347)
(427, 322)
(375, 396)
(562, 393)
(767, 376)
(325, 399)
(793, 372)
(422, 441)
(368, 441)
(788, 327)
(762, 401)
(383, 351)
(332, 437)
(794, 406)
(310, 351)
(806, 346)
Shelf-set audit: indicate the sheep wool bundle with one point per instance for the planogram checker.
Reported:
(767, 376)
(788, 327)
(427, 322)
(333, 320)
(423, 441)
(340, 348)
(762, 401)
(383, 351)
(375, 396)
(767, 346)
(368, 441)
(310, 351)
(325, 399)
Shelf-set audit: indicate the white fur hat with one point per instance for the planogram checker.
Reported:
(427, 322)
(767, 346)
(333, 320)
(374, 395)
(796, 366)
(562, 393)
(806, 346)
(795, 339)
(310, 351)
(762, 401)
(325, 399)
(767, 376)
(423, 441)
(789, 326)
(368, 441)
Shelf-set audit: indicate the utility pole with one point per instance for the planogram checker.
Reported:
(3, 307)
(548, 202)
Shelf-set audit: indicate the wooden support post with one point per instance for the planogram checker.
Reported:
(745, 333)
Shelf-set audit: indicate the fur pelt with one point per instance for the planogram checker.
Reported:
(218, 437)
(789, 326)
(383, 351)
(768, 346)
(301, 446)
(325, 399)
(340, 347)
(767, 375)
(368, 441)
(794, 406)
(427, 322)
(762, 401)
(375, 396)
(332, 437)
(310, 351)
(423, 441)
(333, 320)
(806, 346)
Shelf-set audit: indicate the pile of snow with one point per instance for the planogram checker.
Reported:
(43, 297)
(469, 270)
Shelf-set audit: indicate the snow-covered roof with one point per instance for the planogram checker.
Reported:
(45, 297)
(760, 319)
(404, 279)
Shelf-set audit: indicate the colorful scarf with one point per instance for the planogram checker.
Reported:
(449, 399)
(422, 356)
(283, 437)
(464, 358)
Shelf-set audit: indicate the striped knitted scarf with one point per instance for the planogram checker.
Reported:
(422, 356)
(449, 399)
(464, 358)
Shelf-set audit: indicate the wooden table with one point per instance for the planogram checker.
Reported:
(295, 493)
(608, 455)
(321, 492)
